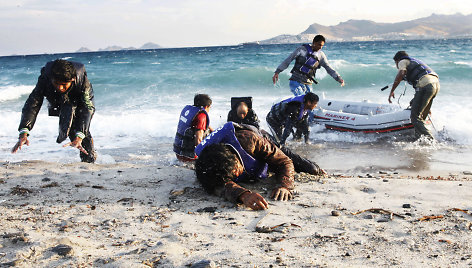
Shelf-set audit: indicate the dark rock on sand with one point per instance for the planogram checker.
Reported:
(207, 209)
(10, 264)
(16, 237)
(62, 249)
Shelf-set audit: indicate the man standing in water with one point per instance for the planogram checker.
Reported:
(308, 58)
(426, 84)
(70, 95)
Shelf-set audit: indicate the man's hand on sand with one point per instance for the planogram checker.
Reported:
(77, 143)
(282, 194)
(254, 201)
(23, 139)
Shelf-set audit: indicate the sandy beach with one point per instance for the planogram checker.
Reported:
(133, 215)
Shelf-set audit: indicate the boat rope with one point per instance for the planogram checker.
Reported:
(401, 95)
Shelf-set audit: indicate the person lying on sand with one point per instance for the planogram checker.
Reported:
(238, 153)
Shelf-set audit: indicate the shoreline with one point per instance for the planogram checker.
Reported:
(140, 215)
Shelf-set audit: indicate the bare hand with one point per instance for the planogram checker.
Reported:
(341, 81)
(392, 95)
(275, 78)
(77, 143)
(254, 201)
(282, 194)
(23, 139)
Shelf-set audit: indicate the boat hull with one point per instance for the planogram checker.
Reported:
(362, 117)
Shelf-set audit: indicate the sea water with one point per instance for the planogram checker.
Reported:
(139, 95)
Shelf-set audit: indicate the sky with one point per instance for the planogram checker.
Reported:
(53, 26)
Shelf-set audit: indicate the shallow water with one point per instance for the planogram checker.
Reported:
(139, 95)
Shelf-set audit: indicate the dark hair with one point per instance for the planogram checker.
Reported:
(215, 166)
(318, 38)
(400, 54)
(202, 100)
(310, 97)
(63, 71)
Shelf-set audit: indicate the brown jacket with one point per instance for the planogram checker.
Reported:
(263, 150)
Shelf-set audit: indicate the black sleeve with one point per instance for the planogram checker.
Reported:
(86, 107)
(33, 104)
(254, 119)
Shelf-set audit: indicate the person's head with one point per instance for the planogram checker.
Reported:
(63, 75)
(399, 55)
(318, 42)
(242, 110)
(216, 165)
(202, 100)
(310, 101)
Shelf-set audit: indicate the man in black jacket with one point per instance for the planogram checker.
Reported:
(70, 95)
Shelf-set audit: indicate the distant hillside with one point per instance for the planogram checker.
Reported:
(83, 49)
(148, 45)
(434, 26)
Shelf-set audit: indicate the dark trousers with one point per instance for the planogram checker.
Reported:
(87, 144)
(420, 107)
(300, 163)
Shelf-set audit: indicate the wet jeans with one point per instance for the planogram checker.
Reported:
(420, 107)
(298, 88)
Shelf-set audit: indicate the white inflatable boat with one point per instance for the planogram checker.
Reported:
(363, 116)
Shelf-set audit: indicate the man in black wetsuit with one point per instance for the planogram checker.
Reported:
(70, 95)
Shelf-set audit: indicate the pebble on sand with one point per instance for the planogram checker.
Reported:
(62, 249)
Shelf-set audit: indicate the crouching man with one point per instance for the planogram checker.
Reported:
(193, 127)
(70, 95)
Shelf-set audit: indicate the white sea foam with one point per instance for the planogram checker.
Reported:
(463, 63)
(14, 92)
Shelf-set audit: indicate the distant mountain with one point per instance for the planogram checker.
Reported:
(116, 48)
(434, 26)
(83, 49)
(148, 45)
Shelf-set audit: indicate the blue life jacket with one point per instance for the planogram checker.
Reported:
(278, 109)
(310, 62)
(184, 142)
(415, 70)
(253, 168)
